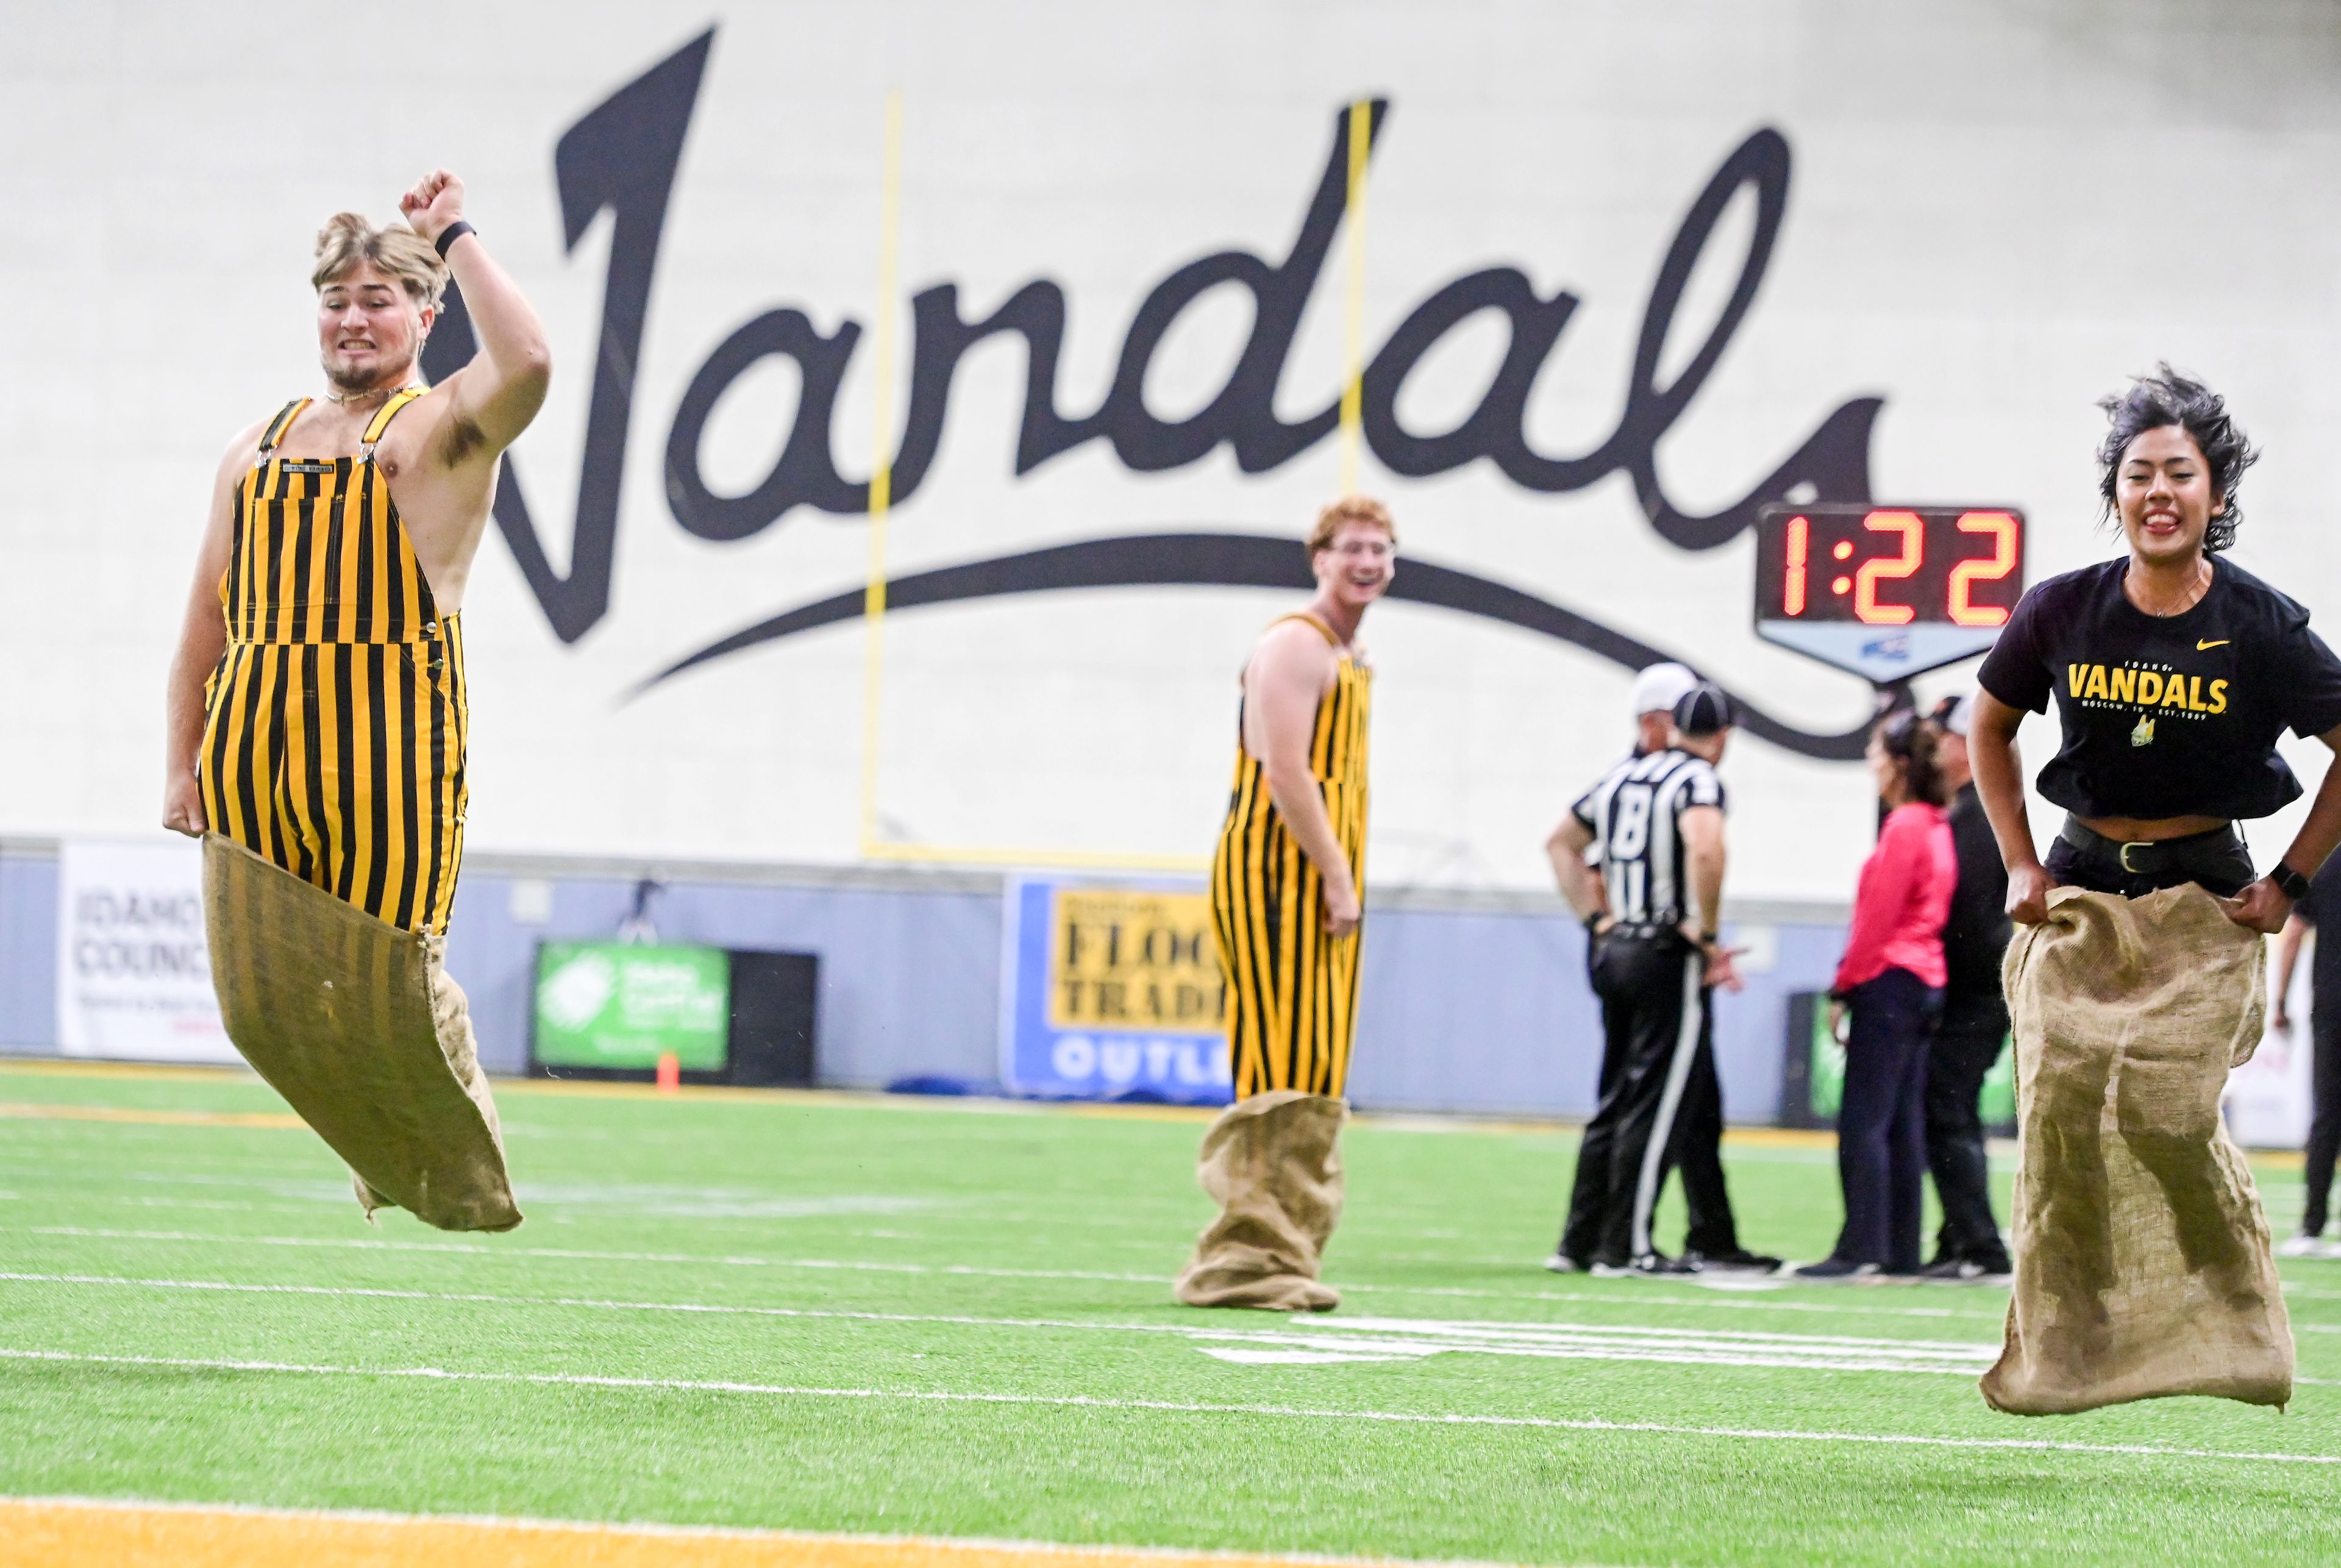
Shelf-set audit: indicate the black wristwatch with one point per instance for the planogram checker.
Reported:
(2288, 882)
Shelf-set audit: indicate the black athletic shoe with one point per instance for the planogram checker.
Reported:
(1649, 1265)
(1830, 1271)
(1962, 1272)
(1738, 1262)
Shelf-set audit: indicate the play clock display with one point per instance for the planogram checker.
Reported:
(1887, 592)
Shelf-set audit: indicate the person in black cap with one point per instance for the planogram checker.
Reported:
(1650, 898)
(1711, 1234)
(1973, 1029)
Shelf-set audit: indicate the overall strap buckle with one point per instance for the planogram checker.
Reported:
(277, 427)
(381, 421)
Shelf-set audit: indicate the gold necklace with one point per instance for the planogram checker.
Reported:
(2192, 593)
(382, 392)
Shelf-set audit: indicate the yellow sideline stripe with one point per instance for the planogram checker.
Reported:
(157, 1072)
(1392, 1122)
(50, 1533)
(26, 1111)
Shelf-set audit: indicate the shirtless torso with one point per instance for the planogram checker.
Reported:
(1293, 668)
(439, 457)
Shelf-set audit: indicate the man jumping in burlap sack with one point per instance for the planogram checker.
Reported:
(2136, 977)
(317, 713)
(1285, 886)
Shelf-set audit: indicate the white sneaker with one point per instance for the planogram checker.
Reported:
(2304, 1246)
(1562, 1264)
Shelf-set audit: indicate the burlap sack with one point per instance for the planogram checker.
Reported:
(2142, 1261)
(356, 1024)
(1271, 1163)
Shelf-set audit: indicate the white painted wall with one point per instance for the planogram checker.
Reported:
(1996, 212)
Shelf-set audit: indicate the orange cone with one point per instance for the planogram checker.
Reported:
(670, 1072)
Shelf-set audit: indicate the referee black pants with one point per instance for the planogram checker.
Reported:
(1707, 1203)
(1657, 1031)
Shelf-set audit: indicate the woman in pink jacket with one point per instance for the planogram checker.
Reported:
(1891, 979)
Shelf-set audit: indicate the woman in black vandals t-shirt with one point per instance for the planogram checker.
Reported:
(2174, 672)
(2169, 715)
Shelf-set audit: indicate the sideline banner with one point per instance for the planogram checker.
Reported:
(133, 973)
(1111, 990)
(622, 1006)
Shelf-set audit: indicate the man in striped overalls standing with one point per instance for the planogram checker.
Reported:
(316, 713)
(1287, 887)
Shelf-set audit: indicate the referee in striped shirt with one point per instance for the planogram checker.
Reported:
(1650, 895)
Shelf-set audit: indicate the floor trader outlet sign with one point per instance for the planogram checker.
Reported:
(1112, 991)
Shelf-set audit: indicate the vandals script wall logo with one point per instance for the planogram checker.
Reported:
(622, 159)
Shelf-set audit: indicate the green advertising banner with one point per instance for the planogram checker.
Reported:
(1999, 1089)
(1827, 1076)
(608, 1005)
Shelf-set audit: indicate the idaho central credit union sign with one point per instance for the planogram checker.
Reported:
(1113, 990)
(622, 157)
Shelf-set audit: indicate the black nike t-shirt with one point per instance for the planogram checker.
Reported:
(2166, 715)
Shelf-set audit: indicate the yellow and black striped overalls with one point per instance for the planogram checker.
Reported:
(334, 726)
(1293, 989)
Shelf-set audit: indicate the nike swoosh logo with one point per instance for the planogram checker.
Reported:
(2222, 643)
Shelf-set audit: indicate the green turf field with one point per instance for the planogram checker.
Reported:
(953, 1318)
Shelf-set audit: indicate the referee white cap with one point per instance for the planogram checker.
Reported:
(1658, 689)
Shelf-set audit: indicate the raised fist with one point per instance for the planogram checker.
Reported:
(435, 202)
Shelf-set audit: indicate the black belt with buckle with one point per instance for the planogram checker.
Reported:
(2212, 858)
(1644, 930)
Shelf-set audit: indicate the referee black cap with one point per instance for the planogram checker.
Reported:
(1703, 710)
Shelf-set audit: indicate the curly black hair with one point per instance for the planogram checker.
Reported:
(2167, 397)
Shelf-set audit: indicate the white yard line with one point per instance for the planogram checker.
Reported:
(1377, 1338)
(1852, 1301)
(364, 1244)
(658, 1200)
(1845, 1301)
(1849, 1301)
(1180, 1407)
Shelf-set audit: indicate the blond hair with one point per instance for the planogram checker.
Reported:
(1349, 509)
(396, 252)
